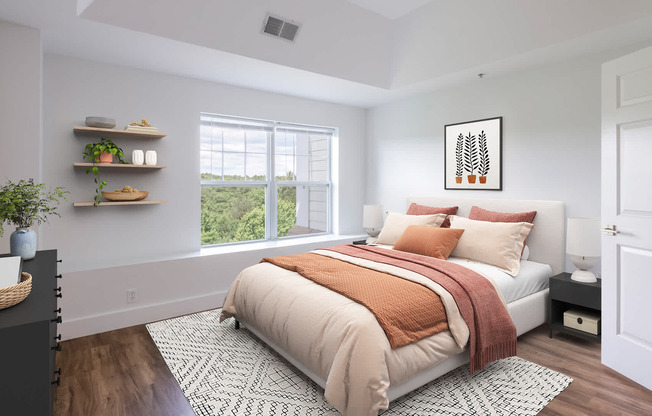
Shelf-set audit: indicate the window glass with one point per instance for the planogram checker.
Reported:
(254, 169)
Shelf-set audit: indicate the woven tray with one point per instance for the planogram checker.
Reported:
(13, 295)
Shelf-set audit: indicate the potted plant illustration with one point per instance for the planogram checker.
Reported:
(470, 157)
(101, 152)
(483, 167)
(24, 204)
(459, 169)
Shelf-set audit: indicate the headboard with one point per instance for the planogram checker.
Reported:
(546, 240)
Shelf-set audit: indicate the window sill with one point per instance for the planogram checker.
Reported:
(310, 243)
(288, 242)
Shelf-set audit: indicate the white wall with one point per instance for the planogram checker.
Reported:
(20, 107)
(551, 137)
(156, 248)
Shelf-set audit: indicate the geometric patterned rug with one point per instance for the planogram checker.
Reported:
(223, 371)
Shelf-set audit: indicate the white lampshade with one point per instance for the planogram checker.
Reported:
(372, 216)
(583, 244)
(583, 237)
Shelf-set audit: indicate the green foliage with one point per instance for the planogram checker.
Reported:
(238, 214)
(287, 215)
(251, 226)
(92, 153)
(25, 203)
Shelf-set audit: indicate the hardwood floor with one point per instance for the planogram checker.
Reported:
(122, 373)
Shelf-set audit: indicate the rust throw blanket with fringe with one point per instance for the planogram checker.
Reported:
(492, 331)
(403, 322)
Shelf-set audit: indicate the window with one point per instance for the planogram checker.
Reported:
(263, 180)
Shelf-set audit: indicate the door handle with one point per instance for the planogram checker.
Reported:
(610, 230)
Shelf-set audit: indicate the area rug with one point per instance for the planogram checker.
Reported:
(224, 371)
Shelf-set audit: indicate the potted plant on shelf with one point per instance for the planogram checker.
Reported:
(24, 204)
(101, 152)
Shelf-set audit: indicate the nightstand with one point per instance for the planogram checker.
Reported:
(568, 294)
(360, 242)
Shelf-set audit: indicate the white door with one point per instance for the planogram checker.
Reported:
(627, 205)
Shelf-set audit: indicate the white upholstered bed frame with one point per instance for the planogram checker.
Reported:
(546, 244)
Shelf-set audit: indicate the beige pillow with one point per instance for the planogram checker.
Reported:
(497, 243)
(395, 225)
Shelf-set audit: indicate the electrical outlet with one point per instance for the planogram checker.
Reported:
(131, 295)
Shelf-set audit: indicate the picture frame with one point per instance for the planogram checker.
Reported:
(473, 155)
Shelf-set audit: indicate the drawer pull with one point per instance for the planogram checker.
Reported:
(57, 320)
(56, 348)
(59, 276)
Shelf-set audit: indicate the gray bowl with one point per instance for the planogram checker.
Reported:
(102, 122)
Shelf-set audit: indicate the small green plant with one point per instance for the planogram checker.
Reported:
(92, 153)
(27, 203)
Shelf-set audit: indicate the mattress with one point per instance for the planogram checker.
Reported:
(531, 278)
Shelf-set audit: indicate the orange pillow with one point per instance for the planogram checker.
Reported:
(428, 241)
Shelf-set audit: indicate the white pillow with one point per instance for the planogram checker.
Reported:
(396, 223)
(497, 243)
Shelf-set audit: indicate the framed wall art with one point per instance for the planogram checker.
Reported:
(473, 155)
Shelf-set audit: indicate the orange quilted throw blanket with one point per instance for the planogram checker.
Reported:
(492, 332)
(403, 322)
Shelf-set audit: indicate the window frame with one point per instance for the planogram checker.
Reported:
(271, 185)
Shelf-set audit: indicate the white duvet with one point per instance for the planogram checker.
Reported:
(337, 338)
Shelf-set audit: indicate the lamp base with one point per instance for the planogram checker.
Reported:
(373, 232)
(583, 276)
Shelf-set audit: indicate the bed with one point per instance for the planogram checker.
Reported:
(345, 350)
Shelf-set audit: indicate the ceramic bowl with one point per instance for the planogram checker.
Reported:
(102, 122)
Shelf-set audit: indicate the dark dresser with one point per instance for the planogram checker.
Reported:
(29, 343)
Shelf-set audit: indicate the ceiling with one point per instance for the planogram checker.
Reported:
(391, 9)
(355, 52)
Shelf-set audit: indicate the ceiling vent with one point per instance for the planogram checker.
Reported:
(280, 28)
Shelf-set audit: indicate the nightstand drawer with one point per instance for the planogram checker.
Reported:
(581, 294)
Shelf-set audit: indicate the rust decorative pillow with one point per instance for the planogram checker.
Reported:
(480, 214)
(395, 225)
(416, 209)
(428, 241)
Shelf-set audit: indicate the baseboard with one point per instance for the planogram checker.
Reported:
(94, 324)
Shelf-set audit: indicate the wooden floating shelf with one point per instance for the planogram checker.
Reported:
(109, 203)
(116, 132)
(116, 165)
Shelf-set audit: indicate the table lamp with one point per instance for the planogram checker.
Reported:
(583, 245)
(372, 220)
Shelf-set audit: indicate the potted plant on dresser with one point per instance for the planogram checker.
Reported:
(101, 152)
(24, 204)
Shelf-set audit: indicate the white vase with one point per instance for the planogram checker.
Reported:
(150, 157)
(137, 157)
